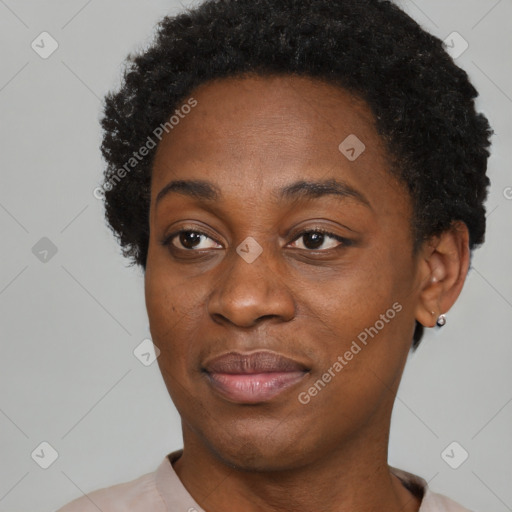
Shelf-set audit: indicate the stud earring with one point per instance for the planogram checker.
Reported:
(441, 320)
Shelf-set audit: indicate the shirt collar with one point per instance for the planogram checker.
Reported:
(176, 496)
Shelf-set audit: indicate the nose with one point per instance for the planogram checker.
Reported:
(247, 293)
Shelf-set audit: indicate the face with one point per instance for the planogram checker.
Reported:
(251, 259)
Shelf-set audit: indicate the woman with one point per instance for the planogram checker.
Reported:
(303, 184)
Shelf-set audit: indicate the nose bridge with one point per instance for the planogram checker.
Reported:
(249, 286)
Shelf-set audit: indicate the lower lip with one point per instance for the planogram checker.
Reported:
(252, 388)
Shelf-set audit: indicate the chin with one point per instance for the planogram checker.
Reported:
(252, 460)
(261, 452)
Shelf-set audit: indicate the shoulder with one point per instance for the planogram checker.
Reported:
(434, 502)
(140, 494)
(430, 501)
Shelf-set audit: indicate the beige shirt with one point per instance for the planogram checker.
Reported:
(162, 491)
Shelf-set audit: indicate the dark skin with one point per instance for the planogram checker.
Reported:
(305, 298)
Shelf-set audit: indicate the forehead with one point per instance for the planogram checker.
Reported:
(253, 134)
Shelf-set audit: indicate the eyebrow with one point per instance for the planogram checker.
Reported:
(207, 191)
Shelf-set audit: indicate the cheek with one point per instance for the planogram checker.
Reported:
(173, 309)
(351, 297)
(357, 369)
(362, 330)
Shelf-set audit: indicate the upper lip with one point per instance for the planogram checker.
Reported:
(255, 362)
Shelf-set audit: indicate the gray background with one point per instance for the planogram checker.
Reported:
(69, 326)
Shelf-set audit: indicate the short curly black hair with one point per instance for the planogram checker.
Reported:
(422, 101)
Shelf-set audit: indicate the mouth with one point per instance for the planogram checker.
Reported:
(253, 378)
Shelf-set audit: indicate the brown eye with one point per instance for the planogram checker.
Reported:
(315, 239)
(189, 240)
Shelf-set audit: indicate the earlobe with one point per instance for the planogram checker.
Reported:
(445, 262)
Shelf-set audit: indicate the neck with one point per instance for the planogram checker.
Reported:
(353, 476)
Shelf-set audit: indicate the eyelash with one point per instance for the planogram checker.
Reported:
(167, 241)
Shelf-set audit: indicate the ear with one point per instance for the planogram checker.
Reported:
(443, 267)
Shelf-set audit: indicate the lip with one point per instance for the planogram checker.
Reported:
(255, 377)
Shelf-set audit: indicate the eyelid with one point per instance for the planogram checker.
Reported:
(325, 231)
(184, 229)
(166, 241)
